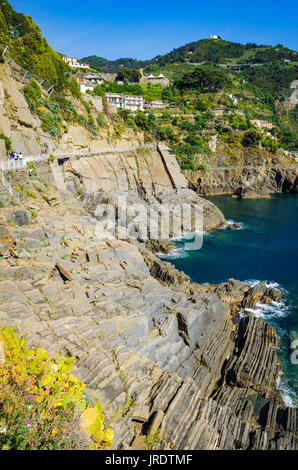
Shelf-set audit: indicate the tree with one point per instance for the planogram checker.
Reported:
(251, 138)
(167, 94)
(128, 75)
(204, 78)
(270, 144)
(238, 121)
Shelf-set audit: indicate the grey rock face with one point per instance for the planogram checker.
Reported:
(20, 217)
(246, 182)
(171, 361)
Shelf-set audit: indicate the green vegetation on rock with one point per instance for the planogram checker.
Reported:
(42, 406)
(29, 49)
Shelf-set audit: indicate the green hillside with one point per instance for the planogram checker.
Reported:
(113, 66)
(29, 49)
(211, 51)
(219, 51)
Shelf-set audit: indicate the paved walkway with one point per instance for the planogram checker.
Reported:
(6, 165)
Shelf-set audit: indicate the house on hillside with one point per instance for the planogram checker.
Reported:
(157, 104)
(128, 102)
(74, 63)
(84, 84)
(262, 124)
(94, 78)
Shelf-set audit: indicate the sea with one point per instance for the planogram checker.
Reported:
(263, 248)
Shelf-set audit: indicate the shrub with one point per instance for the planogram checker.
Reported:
(1, 56)
(101, 120)
(238, 121)
(41, 403)
(32, 94)
(8, 143)
(50, 124)
(31, 166)
(13, 202)
(201, 166)
(251, 138)
(67, 109)
(270, 144)
(31, 194)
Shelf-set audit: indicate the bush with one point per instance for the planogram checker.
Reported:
(270, 144)
(67, 109)
(8, 143)
(1, 56)
(238, 121)
(251, 138)
(32, 94)
(201, 166)
(41, 403)
(50, 123)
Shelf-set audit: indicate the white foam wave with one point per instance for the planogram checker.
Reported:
(254, 282)
(267, 312)
(175, 254)
(286, 392)
(232, 222)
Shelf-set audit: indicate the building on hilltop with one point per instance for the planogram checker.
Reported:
(155, 80)
(128, 102)
(74, 63)
(214, 36)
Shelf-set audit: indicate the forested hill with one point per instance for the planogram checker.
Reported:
(219, 51)
(112, 66)
(212, 51)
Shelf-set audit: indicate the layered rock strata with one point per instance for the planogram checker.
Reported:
(172, 362)
(244, 182)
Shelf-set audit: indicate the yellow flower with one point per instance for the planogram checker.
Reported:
(88, 418)
(109, 435)
(54, 432)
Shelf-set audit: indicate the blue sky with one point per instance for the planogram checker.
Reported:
(143, 29)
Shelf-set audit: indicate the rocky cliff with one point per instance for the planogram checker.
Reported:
(23, 126)
(259, 180)
(146, 176)
(175, 364)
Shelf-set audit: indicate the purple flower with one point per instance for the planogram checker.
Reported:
(27, 422)
(64, 412)
(30, 398)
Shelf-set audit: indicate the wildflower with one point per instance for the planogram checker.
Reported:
(88, 418)
(3, 430)
(27, 422)
(64, 412)
(30, 398)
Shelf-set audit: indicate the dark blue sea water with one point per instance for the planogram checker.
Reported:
(265, 248)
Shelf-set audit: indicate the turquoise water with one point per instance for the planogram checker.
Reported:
(265, 248)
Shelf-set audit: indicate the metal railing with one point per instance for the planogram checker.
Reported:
(9, 188)
(14, 165)
(22, 74)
